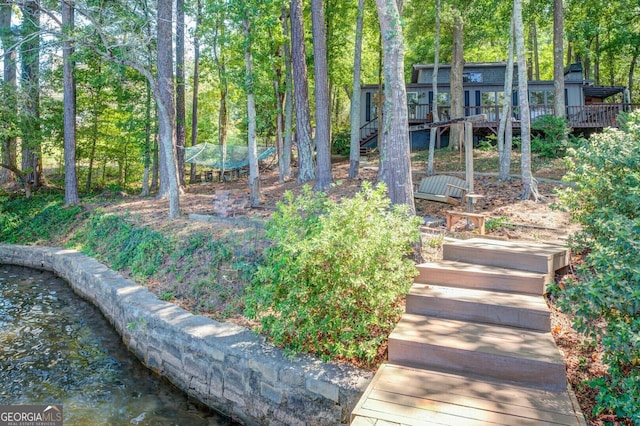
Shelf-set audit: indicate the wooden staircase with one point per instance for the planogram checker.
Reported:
(474, 346)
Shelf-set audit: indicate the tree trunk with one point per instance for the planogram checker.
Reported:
(434, 87)
(180, 92)
(69, 110)
(254, 174)
(533, 37)
(30, 83)
(632, 67)
(558, 58)
(505, 141)
(166, 112)
(457, 92)
(528, 184)
(9, 144)
(321, 89)
(396, 125)
(306, 166)
(221, 66)
(196, 85)
(354, 113)
(284, 160)
(147, 142)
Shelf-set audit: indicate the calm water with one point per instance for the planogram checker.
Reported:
(57, 348)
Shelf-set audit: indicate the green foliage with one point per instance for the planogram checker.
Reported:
(332, 282)
(605, 201)
(489, 143)
(494, 223)
(42, 217)
(550, 136)
(341, 143)
(123, 245)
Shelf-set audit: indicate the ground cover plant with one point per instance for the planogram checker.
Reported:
(605, 300)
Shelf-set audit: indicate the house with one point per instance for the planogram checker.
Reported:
(588, 107)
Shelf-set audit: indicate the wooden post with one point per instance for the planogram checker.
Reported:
(468, 152)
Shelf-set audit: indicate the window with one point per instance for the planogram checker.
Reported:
(472, 77)
(493, 101)
(492, 98)
(412, 101)
(541, 97)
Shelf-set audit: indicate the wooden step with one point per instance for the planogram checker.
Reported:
(509, 309)
(461, 274)
(400, 395)
(545, 258)
(525, 357)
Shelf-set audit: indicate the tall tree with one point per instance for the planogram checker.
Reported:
(455, 77)
(321, 89)
(69, 87)
(306, 167)
(558, 59)
(434, 88)
(254, 178)
(284, 154)
(505, 129)
(196, 85)
(166, 112)
(180, 91)
(529, 188)
(395, 128)
(8, 136)
(30, 83)
(354, 114)
(219, 56)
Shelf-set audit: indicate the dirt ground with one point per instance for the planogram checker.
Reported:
(512, 218)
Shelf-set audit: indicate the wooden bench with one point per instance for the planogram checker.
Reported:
(476, 218)
(442, 188)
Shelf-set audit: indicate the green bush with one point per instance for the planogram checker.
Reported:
(605, 201)
(341, 143)
(550, 136)
(332, 282)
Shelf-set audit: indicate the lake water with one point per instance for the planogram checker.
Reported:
(55, 348)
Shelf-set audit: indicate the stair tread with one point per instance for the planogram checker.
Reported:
(485, 338)
(488, 297)
(524, 247)
(454, 265)
(411, 396)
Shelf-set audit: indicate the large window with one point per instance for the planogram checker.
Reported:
(444, 103)
(494, 100)
(541, 97)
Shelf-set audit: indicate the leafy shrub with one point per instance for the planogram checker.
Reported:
(341, 143)
(332, 282)
(606, 202)
(550, 136)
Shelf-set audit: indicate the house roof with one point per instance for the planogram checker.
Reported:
(602, 92)
(417, 67)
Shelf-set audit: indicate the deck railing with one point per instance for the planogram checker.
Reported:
(588, 116)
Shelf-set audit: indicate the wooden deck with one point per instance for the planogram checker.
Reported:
(402, 395)
(594, 116)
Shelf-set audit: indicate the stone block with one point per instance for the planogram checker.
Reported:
(323, 388)
(272, 393)
(268, 372)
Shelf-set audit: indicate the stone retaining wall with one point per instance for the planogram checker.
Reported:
(224, 366)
